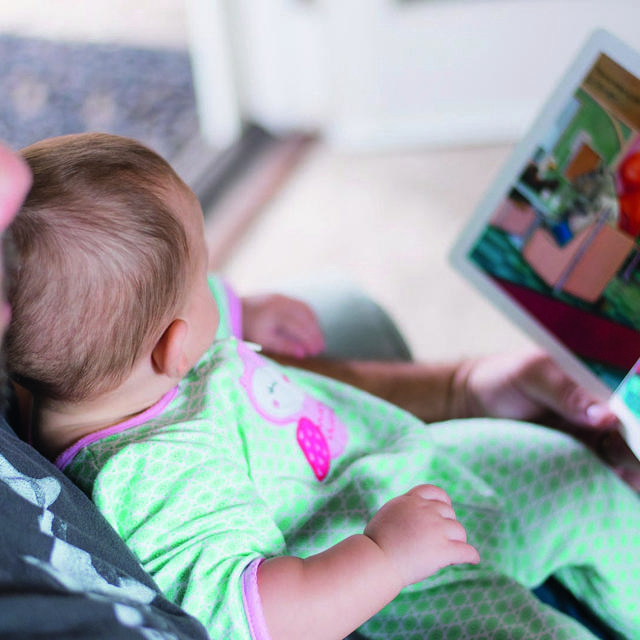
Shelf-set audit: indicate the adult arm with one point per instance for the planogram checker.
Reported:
(522, 386)
(420, 388)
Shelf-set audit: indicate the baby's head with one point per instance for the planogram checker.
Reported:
(108, 247)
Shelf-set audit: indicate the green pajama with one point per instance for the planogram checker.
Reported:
(250, 460)
(560, 511)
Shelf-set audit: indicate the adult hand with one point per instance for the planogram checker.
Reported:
(527, 386)
(15, 180)
(530, 386)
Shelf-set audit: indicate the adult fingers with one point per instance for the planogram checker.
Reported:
(15, 180)
(544, 382)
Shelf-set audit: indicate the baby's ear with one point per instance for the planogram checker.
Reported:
(168, 356)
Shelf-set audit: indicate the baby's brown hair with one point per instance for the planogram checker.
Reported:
(101, 264)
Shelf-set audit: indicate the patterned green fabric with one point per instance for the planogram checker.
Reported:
(221, 295)
(253, 460)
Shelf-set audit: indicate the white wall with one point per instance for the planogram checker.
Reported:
(379, 73)
(119, 21)
(465, 72)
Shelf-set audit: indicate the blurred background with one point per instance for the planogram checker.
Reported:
(325, 138)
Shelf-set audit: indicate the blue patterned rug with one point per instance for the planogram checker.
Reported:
(53, 88)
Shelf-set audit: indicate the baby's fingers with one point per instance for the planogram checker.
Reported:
(430, 492)
(454, 529)
(304, 327)
(456, 548)
(286, 345)
(462, 553)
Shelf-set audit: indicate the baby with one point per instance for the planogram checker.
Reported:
(268, 501)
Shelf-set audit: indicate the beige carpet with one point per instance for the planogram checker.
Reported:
(387, 222)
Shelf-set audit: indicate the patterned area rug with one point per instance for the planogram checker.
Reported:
(53, 88)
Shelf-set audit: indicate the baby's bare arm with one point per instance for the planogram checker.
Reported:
(330, 594)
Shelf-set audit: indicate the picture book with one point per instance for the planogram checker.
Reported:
(555, 242)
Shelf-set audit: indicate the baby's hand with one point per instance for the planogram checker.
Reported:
(281, 325)
(419, 534)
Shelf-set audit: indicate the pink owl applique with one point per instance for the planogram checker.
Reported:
(320, 434)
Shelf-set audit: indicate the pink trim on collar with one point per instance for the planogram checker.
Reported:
(252, 603)
(69, 454)
(235, 311)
